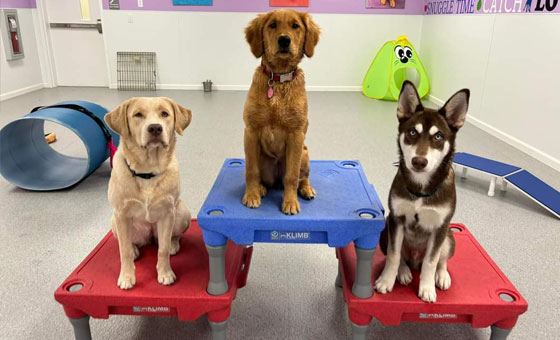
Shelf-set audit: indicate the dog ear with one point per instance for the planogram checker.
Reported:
(312, 32)
(254, 34)
(409, 102)
(117, 119)
(455, 109)
(183, 116)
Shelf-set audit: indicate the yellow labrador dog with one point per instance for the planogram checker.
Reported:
(144, 185)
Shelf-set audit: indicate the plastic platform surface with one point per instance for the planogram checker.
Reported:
(484, 164)
(537, 189)
(474, 296)
(186, 298)
(345, 209)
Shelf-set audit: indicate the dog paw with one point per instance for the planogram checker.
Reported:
(443, 280)
(392, 3)
(252, 200)
(383, 2)
(384, 285)
(307, 192)
(175, 246)
(405, 275)
(126, 281)
(291, 207)
(427, 293)
(166, 277)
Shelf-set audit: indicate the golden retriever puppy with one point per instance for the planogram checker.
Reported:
(144, 185)
(275, 111)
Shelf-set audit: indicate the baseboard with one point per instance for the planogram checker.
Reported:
(19, 92)
(436, 100)
(314, 88)
(516, 143)
(246, 87)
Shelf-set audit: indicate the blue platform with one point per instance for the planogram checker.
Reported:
(538, 190)
(484, 164)
(527, 183)
(345, 209)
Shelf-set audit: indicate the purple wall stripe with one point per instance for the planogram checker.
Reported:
(18, 4)
(414, 7)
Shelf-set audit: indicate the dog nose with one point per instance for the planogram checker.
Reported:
(419, 163)
(155, 129)
(284, 41)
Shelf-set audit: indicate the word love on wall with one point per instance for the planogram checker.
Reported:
(435, 7)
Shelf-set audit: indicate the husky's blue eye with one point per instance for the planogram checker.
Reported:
(438, 136)
(412, 132)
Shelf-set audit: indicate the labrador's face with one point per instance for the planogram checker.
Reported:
(283, 35)
(149, 122)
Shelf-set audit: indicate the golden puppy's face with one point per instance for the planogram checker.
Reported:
(149, 122)
(283, 35)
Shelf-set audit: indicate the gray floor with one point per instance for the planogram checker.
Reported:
(290, 293)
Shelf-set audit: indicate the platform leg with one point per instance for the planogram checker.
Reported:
(464, 173)
(499, 333)
(217, 284)
(504, 184)
(362, 284)
(338, 281)
(492, 186)
(359, 332)
(218, 330)
(81, 328)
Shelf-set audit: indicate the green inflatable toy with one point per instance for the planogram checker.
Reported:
(388, 71)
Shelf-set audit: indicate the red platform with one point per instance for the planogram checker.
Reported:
(186, 298)
(474, 296)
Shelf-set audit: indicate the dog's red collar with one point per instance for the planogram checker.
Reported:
(279, 77)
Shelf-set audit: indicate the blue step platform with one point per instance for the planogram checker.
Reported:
(484, 164)
(538, 190)
(345, 209)
(527, 183)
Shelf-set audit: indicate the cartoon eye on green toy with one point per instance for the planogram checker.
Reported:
(387, 72)
(403, 53)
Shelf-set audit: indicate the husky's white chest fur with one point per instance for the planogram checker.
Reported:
(416, 211)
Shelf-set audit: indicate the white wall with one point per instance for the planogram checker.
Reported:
(22, 75)
(192, 47)
(509, 63)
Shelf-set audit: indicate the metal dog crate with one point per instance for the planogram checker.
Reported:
(136, 71)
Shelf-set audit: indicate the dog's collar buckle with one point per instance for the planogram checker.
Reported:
(285, 77)
(279, 77)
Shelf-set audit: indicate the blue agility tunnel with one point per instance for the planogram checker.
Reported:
(27, 160)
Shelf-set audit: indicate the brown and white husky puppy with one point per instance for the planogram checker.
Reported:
(422, 198)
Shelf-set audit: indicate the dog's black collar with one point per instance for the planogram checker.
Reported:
(424, 195)
(148, 175)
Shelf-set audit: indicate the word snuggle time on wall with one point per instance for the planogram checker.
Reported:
(435, 7)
